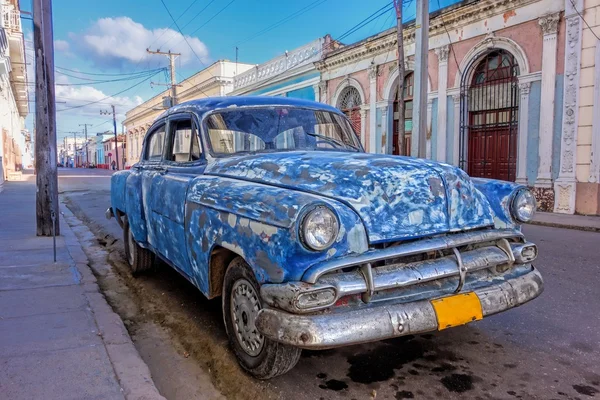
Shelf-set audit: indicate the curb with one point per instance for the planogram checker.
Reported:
(131, 371)
(565, 226)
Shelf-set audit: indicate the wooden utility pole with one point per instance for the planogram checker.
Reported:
(114, 114)
(401, 73)
(46, 170)
(419, 132)
(173, 85)
(87, 155)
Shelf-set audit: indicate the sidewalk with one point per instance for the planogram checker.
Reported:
(582, 222)
(59, 339)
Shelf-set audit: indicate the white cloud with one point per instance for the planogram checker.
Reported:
(120, 42)
(76, 96)
(61, 45)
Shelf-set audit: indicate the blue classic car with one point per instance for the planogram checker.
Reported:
(272, 204)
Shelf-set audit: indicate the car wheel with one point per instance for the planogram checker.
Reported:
(138, 258)
(259, 356)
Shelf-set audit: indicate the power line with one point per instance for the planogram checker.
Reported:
(105, 74)
(179, 29)
(170, 26)
(449, 39)
(584, 21)
(284, 20)
(213, 17)
(107, 97)
(195, 16)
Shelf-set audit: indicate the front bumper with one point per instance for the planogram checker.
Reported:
(377, 322)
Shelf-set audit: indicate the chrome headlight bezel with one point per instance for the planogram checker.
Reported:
(523, 198)
(306, 235)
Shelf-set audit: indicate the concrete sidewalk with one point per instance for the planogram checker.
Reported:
(583, 222)
(59, 339)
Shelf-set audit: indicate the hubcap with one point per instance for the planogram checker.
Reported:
(245, 306)
(131, 244)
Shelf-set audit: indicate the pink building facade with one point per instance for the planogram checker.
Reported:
(498, 80)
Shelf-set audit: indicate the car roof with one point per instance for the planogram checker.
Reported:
(206, 104)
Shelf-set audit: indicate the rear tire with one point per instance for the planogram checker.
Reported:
(138, 258)
(260, 357)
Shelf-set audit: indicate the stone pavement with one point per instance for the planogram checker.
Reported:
(59, 339)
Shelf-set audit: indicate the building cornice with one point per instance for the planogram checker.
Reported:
(451, 19)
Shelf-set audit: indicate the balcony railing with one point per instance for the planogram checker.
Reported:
(11, 19)
(302, 56)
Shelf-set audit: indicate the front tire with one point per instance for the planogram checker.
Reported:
(260, 357)
(138, 258)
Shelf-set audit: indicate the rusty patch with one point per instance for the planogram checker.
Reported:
(545, 198)
(508, 15)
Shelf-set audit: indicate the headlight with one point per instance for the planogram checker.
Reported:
(523, 206)
(320, 228)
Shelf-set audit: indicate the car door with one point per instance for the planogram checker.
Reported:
(183, 160)
(139, 182)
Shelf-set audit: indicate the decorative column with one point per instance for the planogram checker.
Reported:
(456, 144)
(595, 161)
(373, 109)
(363, 126)
(524, 89)
(564, 187)
(429, 136)
(385, 137)
(323, 91)
(316, 89)
(442, 131)
(549, 24)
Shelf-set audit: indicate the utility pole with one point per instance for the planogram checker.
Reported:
(46, 170)
(419, 132)
(87, 155)
(114, 114)
(174, 85)
(401, 73)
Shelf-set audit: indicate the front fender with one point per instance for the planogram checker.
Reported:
(500, 195)
(260, 223)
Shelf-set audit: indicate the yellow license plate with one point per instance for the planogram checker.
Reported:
(457, 310)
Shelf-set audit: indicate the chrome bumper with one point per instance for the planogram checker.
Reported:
(109, 213)
(386, 321)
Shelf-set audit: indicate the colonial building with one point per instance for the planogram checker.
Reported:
(114, 152)
(292, 74)
(215, 80)
(14, 140)
(512, 89)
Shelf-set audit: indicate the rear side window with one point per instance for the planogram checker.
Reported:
(155, 144)
(185, 146)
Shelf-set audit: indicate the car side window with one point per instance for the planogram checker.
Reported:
(156, 142)
(185, 145)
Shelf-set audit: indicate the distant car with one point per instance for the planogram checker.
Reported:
(272, 204)
(60, 165)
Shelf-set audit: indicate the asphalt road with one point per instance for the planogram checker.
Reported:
(547, 349)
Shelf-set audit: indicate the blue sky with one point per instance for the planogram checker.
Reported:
(111, 36)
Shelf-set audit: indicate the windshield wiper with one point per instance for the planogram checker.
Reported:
(332, 140)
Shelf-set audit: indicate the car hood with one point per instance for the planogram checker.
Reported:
(397, 198)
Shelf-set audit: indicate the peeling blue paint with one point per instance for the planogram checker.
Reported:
(254, 204)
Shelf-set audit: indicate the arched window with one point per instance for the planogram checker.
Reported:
(349, 102)
(490, 125)
(409, 91)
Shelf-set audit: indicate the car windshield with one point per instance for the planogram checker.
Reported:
(268, 129)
